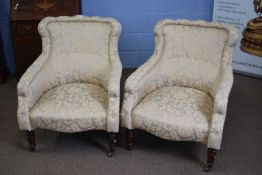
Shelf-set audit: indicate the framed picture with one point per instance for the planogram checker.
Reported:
(245, 16)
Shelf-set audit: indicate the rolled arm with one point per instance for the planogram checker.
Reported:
(28, 91)
(220, 95)
(141, 82)
(138, 85)
(113, 89)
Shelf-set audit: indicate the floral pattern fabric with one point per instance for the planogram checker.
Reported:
(70, 108)
(192, 54)
(175, 113)
(76, 49)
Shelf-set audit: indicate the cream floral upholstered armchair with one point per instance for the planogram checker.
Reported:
(74, 85)
(181, 92)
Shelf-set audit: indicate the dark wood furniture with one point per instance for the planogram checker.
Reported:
(3, 68)
(25, 16)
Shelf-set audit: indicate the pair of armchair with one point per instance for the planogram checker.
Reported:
(180, 93)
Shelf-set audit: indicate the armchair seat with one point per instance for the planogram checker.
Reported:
(175, 113)
(71, 107)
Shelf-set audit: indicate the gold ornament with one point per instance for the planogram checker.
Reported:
(252, 34)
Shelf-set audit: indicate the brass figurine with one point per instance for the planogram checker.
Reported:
(252, 34)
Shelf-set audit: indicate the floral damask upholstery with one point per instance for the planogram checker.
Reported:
(87, 104)
(74, 85)
(181, 92)
(177, 113)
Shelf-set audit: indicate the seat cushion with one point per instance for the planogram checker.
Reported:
(175, 113)
(71, 107)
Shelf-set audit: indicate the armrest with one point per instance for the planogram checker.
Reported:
(30, 87)
(138, 85)
(141, 82)
(220, 95)
(132, 83)
(113, 88)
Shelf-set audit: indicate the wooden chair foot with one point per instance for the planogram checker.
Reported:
(211, 158)
(129, 139)
(30, 135)
(112, 144)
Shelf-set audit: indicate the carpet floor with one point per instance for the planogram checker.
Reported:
(84, 153)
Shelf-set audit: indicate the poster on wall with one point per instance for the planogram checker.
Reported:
(244, 15)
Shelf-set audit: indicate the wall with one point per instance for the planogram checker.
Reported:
(138, 18)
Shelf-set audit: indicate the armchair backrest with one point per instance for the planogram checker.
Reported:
(199, 40)
(193, 53)
(80, 48)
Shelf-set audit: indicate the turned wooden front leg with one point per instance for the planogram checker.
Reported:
(211, 158)
(129, 139)
(30, 135)
(112, 144)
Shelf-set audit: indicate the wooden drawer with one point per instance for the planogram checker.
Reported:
(27, 49)
(25, 29)
(38, 9)
(25, 17)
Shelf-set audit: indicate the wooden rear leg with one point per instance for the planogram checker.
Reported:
(211, 158)
(30, 135)
(112, 144)
(129, 139)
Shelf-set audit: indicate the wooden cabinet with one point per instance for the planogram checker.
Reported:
(3, 68)
(25, 16)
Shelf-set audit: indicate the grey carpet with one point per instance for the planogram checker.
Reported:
(84, 153)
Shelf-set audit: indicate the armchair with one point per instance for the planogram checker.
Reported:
(181, 92)
(74, 85)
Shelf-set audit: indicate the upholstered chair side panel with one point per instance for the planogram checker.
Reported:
(220, 91)
(26, 93)
(134, 89)
(220, 108)
(113, 80)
